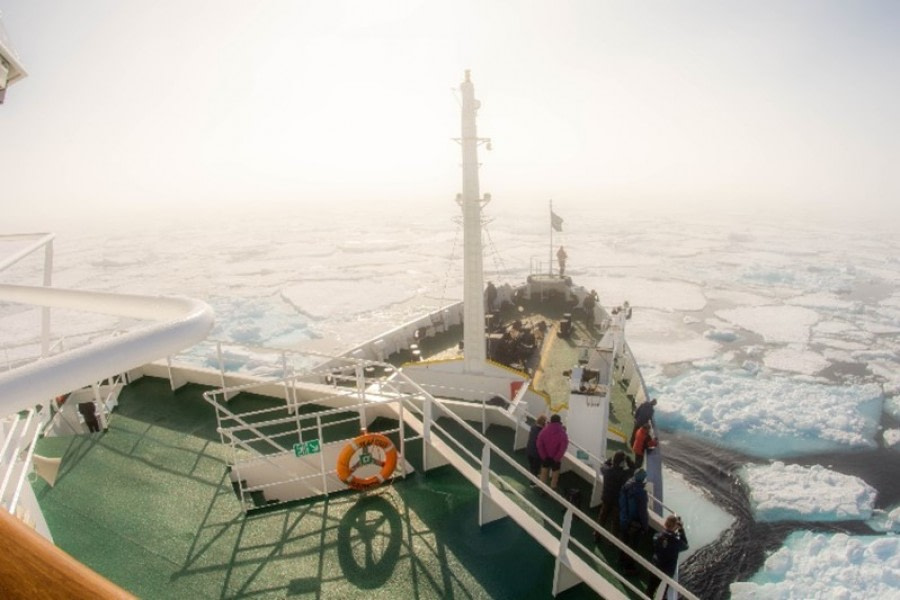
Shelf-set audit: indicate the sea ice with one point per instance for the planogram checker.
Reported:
(780, 492)
(649, 293)
(822, 300)
(885, 520)
(839, 344)
(816, 565)
(323, 300)
(663, 338)
(889, 371)
(826, 327)
(797, 359)
(737, 297)
(768, 416)
(891, 437)
(775, 323)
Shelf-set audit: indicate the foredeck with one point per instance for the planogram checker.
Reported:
(149, 504)
(548, 368)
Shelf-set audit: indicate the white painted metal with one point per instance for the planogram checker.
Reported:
(14, 69)
(488, 509)
(398, 393)
(177, 323)
(563, 575)
(11, 460)
(26, 462)
(473, 284)
(39, 240)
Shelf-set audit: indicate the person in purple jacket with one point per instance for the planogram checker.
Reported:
(552, 443)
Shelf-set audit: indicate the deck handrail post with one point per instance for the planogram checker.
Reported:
(45, 312)
(485, 469)
(565, 534)
(321, 454)
(221, 360)
(483, 416)
(427, 406)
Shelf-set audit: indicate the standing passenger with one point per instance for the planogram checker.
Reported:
(534, 459)
(666, 547)
(643, 414)
(615, 473)
(552, 443)
(88, 410)
(633, 518)
(490, 296)
(561, 256)
(589, 303)
(643, 441)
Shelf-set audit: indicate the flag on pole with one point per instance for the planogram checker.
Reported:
(556, 221)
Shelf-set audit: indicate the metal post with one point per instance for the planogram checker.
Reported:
(221, 366)
(321, 455)
(485, 469)
(45, 312)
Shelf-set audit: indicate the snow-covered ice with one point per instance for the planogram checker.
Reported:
(774, 323)
(891, 437)
(780, 492)
(796, 358)
(662, 338)
(816, 565)
(885, 520)
(769, 416)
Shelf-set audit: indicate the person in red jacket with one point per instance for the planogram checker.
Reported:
(643, 441)
(552, 443)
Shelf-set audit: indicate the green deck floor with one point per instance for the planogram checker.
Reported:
(149, 505)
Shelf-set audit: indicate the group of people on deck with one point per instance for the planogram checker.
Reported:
(624, 509)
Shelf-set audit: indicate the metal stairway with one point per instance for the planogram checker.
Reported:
(503, 483)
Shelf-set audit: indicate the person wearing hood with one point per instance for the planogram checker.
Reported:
(552, 443)
(633, 517)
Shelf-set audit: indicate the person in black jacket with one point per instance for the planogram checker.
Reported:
(534, 459)
(642, 415)
(615, 473)
(88, 410)
(666, 547)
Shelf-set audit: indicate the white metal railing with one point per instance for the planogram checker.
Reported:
(394, 391)
(319, 429)
(21, 434)
(343, 370)
(565, 537)
(176, 323)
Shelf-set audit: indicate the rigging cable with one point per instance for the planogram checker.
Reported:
(452, 257)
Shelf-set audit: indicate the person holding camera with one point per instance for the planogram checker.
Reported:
(666, 547)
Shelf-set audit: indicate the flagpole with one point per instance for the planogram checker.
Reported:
(551, 236)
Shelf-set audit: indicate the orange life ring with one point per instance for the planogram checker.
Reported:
(362, 445)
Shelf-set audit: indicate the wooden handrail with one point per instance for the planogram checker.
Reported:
(33, 567)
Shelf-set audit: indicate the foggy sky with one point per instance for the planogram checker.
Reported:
(206, 105)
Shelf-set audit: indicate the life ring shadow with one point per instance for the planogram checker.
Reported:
(371, 530)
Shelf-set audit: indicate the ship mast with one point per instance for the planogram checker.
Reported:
(473, 277)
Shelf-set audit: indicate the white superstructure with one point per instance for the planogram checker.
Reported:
(11, 70)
